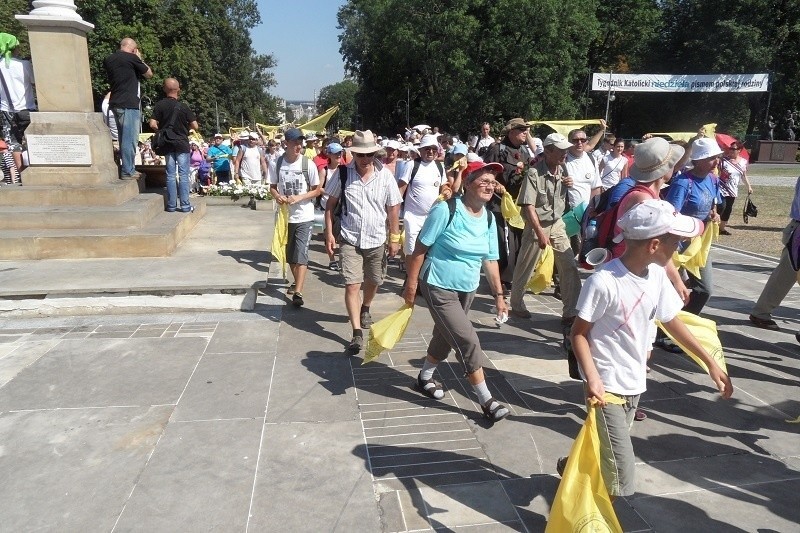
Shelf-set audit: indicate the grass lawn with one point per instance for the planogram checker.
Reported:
(763, 234)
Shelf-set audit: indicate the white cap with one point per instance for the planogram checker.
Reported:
(557, 140)
(472, 157)
(652, 218)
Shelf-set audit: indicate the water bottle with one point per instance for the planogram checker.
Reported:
(591, 230)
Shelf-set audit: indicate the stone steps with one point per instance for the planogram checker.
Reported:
(111, 193)
(158, 237)
(135, 213)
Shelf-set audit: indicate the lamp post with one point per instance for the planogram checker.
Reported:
(610, 97)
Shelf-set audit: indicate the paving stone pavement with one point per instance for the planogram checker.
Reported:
(258, 421)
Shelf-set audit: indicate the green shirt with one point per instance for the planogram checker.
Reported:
(545, 191)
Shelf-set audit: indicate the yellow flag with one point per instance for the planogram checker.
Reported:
(705, 331)
(565, 126)
(385, 333)
(280, 237)
(582, 502)
(318, 123)
(695, 256)
(511, 212)
(542, 276)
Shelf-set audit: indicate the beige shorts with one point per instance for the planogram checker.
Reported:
(360, 264)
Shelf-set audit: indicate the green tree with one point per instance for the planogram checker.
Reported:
(9, 24)
(466, 62)
(205, 44)
(342, 94)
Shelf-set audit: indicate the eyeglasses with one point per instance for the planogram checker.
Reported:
(486, 183)
(521, 128)
(365, 155)
(578, 140)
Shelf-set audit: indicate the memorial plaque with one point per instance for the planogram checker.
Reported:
(59, 150)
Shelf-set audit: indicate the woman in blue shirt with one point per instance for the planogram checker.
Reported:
(457, 238)
(695, 193)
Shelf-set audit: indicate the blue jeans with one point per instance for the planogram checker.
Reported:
(128, 128)
(175, 189)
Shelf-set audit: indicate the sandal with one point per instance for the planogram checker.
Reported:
(430, 388)
(666, 344)
(494, 410)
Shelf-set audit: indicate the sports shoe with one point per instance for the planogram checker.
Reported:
(764, 323)
(639, 415)
(333, 265)
(366, 320)
(290, 290)
(297, 299)
(520, 313)
(356, 344)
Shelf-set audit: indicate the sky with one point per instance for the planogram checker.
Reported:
(303, 38)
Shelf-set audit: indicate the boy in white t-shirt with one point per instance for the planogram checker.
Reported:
(613, 330)
(288, 185)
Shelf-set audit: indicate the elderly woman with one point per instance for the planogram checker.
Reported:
(732, 169)
(695, 193)
(457, 238)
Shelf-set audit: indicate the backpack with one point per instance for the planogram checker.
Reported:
(414, 171)
(451, 206)
(340, 210)
(303, 163)
(605, 217)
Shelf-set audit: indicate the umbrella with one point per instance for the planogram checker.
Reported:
(724, 141)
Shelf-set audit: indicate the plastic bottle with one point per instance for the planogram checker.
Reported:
(591, 230)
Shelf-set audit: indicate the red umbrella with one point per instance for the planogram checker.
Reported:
(724, 141)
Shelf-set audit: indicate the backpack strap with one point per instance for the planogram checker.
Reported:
(304, 163)
(343, 179)
(414, 171)
(278, 164)
(451, 206)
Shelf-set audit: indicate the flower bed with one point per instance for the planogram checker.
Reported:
(237, 190)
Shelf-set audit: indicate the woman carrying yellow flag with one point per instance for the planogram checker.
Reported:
(457, 238)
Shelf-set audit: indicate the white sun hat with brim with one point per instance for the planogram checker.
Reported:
(653, 218)
(364, 143)
(703, 148)
(421, 128)
(428, 140)
(654, 158)
(393, 144)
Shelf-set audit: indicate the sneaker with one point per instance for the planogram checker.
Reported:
(356, 344)
(366, 320)
(189, 210)
(333, 265)
(290, 290)
(639, 415)
(297, 299)
(520, 313)
(561, 464)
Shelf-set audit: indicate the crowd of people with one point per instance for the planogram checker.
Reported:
(436, 204)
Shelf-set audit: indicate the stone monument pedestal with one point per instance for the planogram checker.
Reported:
(72, 203)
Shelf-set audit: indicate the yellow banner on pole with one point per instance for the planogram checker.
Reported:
(565, 126)
(318, 123)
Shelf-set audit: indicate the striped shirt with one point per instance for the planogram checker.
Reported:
(364, 214)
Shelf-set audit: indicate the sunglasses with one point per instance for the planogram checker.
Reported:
(365, 155)
(579, 140)
(431, 148)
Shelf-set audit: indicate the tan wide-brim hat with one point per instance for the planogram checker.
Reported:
(364, 143)
(654, 158)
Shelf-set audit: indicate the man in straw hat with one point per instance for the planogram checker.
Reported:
(370, 198)
(514, 154)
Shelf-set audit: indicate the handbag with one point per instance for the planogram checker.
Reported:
(749, 210)
(163, 137)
